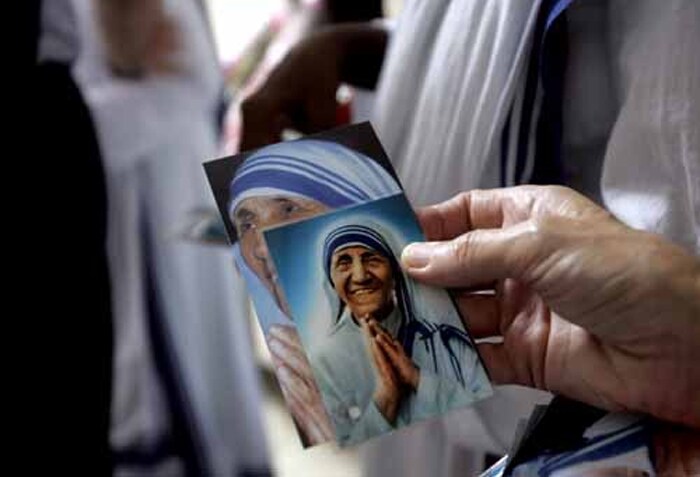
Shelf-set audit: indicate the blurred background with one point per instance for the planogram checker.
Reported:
(193, 392)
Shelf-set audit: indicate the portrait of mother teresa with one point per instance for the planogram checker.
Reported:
(280, 184)
(385, 363)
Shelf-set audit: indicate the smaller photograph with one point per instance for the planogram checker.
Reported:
(384, 350)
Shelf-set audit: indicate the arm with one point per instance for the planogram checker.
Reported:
(300, 92)
(586, 306)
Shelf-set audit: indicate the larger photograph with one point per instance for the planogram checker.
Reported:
(308, 182)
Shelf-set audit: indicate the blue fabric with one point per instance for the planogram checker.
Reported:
(603, 447)
(327, 172)
(352, 234)
(349, 235)
(604, 450)
(545, 73)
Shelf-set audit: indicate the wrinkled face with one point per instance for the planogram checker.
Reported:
(254, 214)
(363, 281)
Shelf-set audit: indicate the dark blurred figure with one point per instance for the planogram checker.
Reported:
(70, 309)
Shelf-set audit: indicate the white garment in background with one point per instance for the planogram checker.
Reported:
(630, 114)
(448, 79)
(154, 134)
(449, 76)
(651, 171)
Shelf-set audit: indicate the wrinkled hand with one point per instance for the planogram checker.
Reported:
(586, 306)
(676, 450)
(298, 384)
(388, 390)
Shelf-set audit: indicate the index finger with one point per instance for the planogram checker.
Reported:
(380, 331)
(475, 209)
(366, 332)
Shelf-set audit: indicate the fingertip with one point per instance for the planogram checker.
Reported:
(415, 256)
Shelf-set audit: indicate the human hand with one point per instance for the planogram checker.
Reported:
(300, 93)
(586, 306)
(404, 367)
(388, 390)
(298, 384)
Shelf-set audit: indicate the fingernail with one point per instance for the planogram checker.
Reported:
(416, 255)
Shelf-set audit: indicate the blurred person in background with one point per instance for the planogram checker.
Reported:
(602, 96)
(186, 398)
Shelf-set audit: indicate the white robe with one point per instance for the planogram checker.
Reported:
(345, 377)
(631, 140)
(154, 134)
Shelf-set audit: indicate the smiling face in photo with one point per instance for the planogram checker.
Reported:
(364, 281)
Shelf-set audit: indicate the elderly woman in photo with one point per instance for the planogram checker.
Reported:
(279, 184)
(385, 362)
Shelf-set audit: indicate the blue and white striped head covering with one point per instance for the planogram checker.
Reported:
(354, 235)
(617, 441)
(325, 171)
(376, 237)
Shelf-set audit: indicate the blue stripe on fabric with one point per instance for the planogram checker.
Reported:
(293, 183)
(505, 143)
(353, 233)
(557, 9)
(345, 186)
(628, 443)
(305, 166)
(550, 12)
(314, 167)
(556, 459)
(531, 85)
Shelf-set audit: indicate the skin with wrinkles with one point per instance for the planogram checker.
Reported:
(586, 306)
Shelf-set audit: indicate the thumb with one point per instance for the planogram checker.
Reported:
(474, 258)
